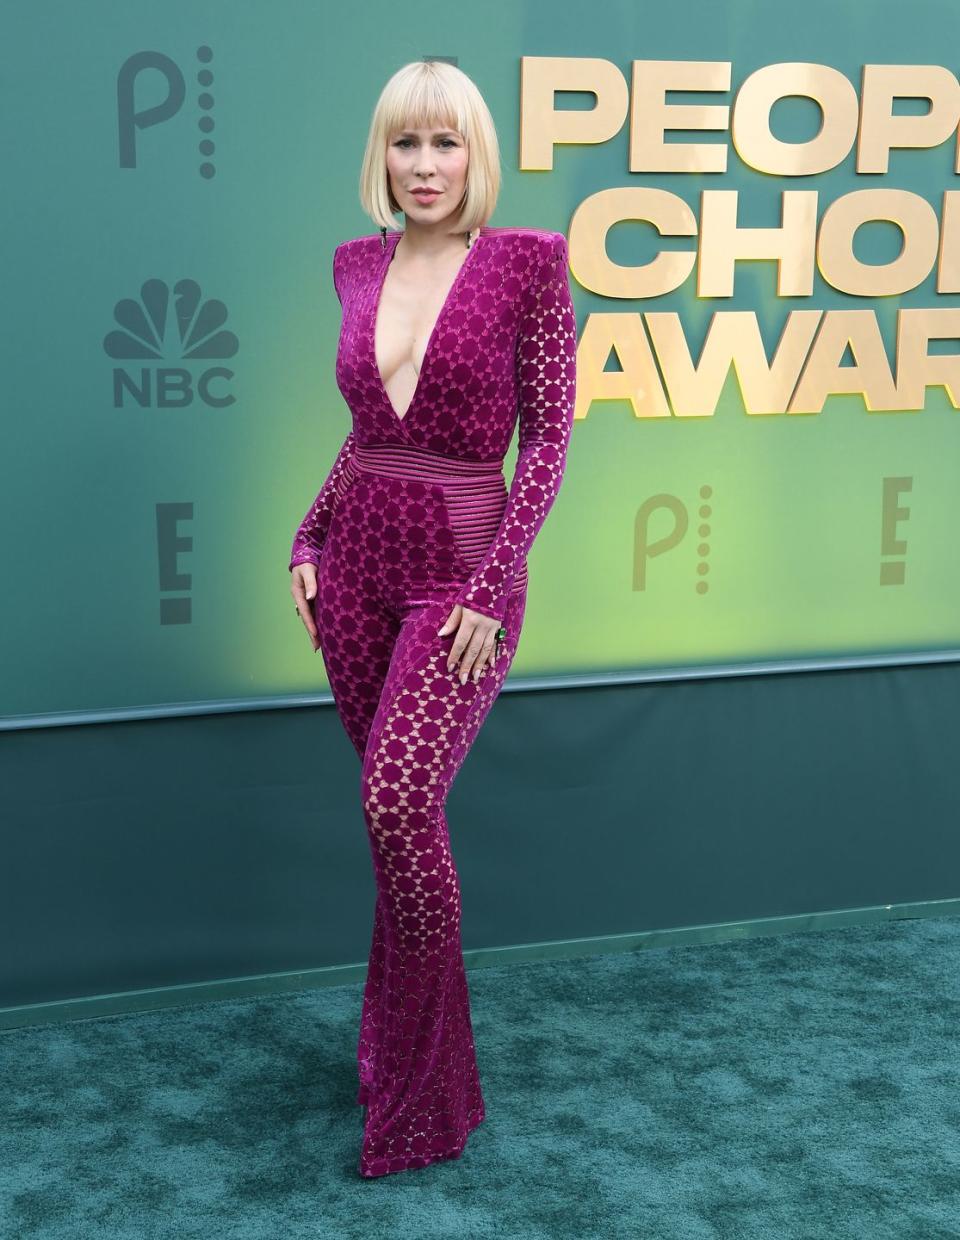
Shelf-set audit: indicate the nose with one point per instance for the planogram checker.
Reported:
(424, 165)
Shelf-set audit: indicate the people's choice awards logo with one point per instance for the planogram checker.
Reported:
(797, 361)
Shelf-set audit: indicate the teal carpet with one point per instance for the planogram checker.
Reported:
(795, 1087)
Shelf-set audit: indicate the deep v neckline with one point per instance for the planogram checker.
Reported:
(388, 254)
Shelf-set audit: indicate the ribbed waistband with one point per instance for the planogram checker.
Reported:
(407, 461)
(474, 492)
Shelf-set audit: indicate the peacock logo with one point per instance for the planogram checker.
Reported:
(146, 333)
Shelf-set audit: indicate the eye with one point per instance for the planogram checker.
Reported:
(446, 142)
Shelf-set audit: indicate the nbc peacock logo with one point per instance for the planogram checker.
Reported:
(147, 335)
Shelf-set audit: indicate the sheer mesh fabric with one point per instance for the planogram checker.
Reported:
(414, 517)
(309, 538)
(545, 381)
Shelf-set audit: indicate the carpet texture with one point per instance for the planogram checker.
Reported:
(796, 1086)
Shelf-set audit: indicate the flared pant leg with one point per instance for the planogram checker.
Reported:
(413, 722)
(391, 567)
(416, 1053)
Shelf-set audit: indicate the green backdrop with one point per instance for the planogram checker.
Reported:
(213, 148)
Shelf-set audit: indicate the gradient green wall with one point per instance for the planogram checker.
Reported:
(143, 849)
(146, 541)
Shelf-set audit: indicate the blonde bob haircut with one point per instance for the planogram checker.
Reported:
(432, 94)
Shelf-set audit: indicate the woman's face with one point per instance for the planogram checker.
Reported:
(421, 159)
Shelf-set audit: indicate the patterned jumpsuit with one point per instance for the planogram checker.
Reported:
(415, 517)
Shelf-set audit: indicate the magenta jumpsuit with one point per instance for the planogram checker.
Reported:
(415, 517)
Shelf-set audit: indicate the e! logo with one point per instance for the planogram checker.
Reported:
(893, 572)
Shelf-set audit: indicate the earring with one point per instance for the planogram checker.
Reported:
(383, 237)
(468, 240)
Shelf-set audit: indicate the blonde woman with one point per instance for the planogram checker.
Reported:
(409, 569)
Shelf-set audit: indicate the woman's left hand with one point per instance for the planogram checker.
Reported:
(474, 646)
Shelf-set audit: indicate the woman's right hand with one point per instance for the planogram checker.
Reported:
(303, 587)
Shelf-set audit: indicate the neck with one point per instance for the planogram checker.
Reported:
(432, 240)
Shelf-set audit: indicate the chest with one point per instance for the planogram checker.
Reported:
(460, 341)
(408, 308)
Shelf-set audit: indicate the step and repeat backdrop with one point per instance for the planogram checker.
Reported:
(763, 219)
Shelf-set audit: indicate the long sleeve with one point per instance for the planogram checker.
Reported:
(308, 540)
(546, 360)
(312, 530)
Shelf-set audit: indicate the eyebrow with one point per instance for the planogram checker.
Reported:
(440, 133)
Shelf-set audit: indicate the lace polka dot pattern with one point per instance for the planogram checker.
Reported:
(413, 518)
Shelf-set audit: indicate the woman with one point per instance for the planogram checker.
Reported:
(409, 569)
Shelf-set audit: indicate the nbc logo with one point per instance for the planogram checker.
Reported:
(146, 335)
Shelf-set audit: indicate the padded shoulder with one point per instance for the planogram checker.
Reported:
(353, 250)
